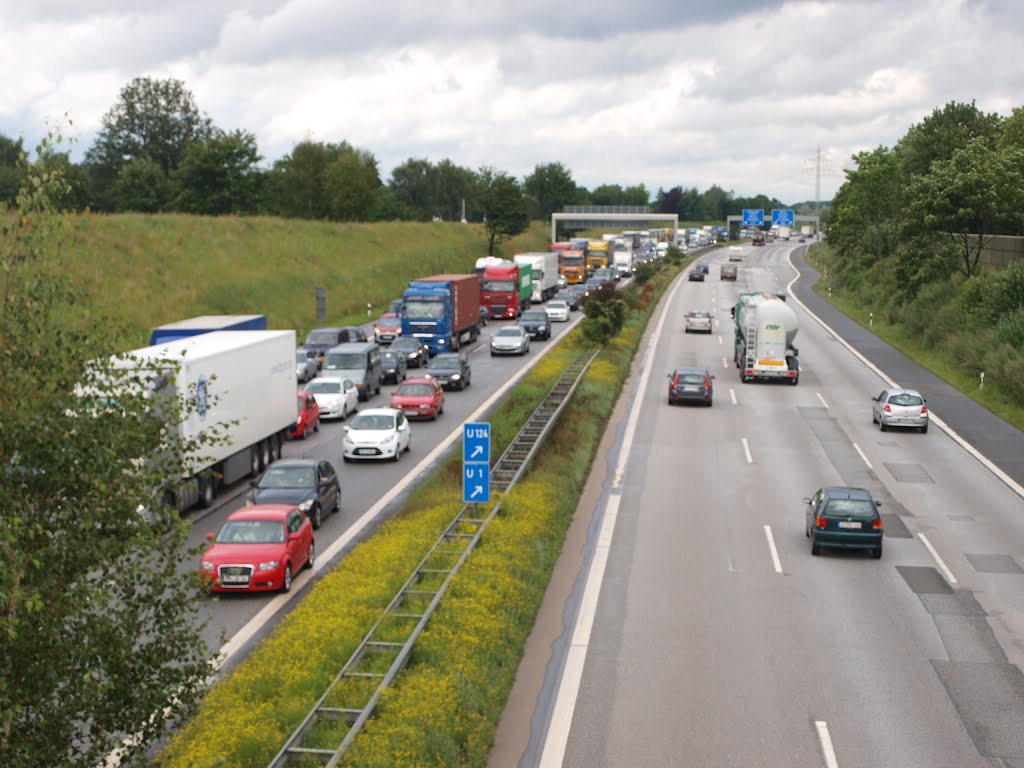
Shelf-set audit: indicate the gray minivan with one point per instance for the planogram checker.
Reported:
(359, 361)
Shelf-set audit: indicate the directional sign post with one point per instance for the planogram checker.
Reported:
(783, 217)
(753, 217)
(476, 463)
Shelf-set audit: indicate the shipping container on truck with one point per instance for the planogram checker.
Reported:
(572, 266)
(240, 383)
(442, 310)
(194, 326)
(543, 273)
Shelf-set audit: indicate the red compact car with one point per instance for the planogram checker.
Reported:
(387, 328)
(419, 398)
(258, 549)
(308, 418)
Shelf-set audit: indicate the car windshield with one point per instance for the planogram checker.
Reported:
(323, 387)
(509, 331)
(343, 361)
(406, 344)
(557, 304)
(288, 477)
(373, 421)
(444, 361)
(906, 399)
(850, 508)
(322, 337)
(690, 378)
(252, 532)
(534, 314)
(414, 389)
(699, 314)
(390, 357)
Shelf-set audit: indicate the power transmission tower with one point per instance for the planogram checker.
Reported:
(820, 164)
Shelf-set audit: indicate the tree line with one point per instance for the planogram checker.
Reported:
(157, 152)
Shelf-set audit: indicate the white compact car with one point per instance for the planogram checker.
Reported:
(337, 397)
(558, 311)
(900, 408)
(376, 433)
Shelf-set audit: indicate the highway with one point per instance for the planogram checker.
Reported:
(371, 491)
(688, 623)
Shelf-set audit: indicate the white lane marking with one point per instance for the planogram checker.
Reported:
(720, 340)
(1012, 484)
(746, 450)
(938, 560)
(822, 399)
(725, 363)
(865, 458)
(771, 547)
(560, 723)
(732, 394)
(323, 557)
(825, 740)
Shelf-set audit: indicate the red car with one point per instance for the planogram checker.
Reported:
(258, 549)
(419, 398)
(308, 418)
(387, 328)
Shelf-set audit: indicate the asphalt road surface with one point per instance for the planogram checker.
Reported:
(693, 626)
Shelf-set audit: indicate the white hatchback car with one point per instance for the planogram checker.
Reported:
(899, 408)
(337, 397)
(557, 310)
(376, 433)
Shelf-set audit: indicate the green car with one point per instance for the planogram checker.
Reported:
(843, 518)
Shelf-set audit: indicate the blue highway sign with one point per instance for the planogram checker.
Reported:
(476, 483)
(476, 442)
(753, 217)
(782, 217)
(476, 463)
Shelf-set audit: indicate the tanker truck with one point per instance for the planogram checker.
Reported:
(765, 329)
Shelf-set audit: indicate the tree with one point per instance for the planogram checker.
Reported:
(607, 194)
(11, 171)
(942, 133)
(963, 201)
(219, 174)
(141, 186)
(351, 183)
(98, 633)
(867, 208)
(550, 187)
(502, 204)
(636, 195)
(327, 181)
(1012, 132)
(414, 186)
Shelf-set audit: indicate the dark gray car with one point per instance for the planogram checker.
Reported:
(310, 484)
(415, 351)
(451, 369)
(536, 323)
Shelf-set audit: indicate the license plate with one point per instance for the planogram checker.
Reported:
(229, 578)
(691, 389)
(365, 451)
(848, 524)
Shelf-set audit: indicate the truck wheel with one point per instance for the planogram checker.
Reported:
(795, 380)
(265, 452)
(254, 461)
(207, 492)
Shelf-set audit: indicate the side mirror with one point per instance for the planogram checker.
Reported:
(712, 376)
(254, 483)
(345, 428)
(732, 311)
(211, 536)
(878, 503)
(807, 501)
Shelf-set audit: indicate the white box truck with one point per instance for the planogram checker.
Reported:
(241, 382)
(545, 273)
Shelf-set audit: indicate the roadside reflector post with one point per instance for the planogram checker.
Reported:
(982, 384)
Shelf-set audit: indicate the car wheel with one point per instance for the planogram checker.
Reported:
(795, 380)
(881, 426)
(286, 583)
(807, 531)
(815, 548)
(398, 454)
(312, 555)
(344, 411)
(492, 354)
(346, 459)
(709, 402)
(873, 419)
(316, 425)
(877, 553)
(316, 518)
(305, 429)
(924, 429)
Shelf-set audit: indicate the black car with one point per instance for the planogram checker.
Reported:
(536, 323)
(311, 484)
(451, 370)
(570, 297)
(416, 352)
(393, 366)
(690, 385)
(696, 275)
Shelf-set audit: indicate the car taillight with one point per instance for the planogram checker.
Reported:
(924, 410)
(877, 524)
(887, 409)
(819, 521)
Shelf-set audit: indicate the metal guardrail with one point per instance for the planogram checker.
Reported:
(326, 733)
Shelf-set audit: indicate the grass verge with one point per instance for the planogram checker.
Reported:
(445, 705)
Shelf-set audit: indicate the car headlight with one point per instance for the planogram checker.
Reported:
(389, 439)
(270, 565)
(306, 505)
(412, 355)
(206, 565)
(455, 377)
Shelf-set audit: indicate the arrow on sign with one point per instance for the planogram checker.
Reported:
(477, 451)
(477, 490)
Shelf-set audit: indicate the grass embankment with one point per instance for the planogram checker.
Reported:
(144, 270)
(445, 705)
(933, 357)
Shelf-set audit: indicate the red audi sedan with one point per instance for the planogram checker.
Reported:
(258, 549)
(421, 398)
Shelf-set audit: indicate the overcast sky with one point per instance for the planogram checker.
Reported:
(739, 93)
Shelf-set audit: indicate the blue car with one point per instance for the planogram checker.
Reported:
(843, 518)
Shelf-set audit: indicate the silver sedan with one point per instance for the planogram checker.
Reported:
(698, 321)
(899, 408)
(510, 340)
